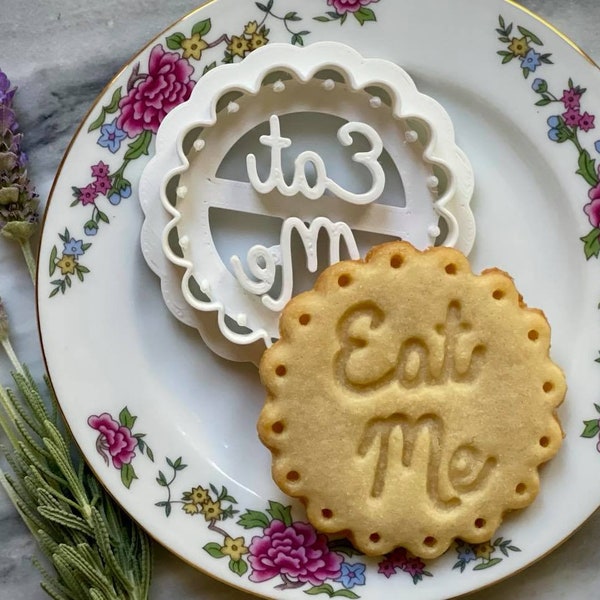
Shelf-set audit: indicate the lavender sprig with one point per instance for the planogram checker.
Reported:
(18, 200)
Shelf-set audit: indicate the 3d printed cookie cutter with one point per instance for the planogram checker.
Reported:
(247, 316)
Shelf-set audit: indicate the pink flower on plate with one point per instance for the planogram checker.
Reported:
(88, 194)
(572, 117)
(571, 98)
(100, 170)
(295, 551)
(348, 6)
(114, 439)
(167, 84)
(586, 122)
(102, 185)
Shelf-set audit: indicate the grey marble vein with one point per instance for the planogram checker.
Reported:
(61, 53)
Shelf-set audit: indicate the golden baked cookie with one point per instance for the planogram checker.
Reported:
(410, 402)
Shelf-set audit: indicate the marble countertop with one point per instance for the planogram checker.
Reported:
(61, 53)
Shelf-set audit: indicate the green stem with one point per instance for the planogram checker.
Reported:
(12, 356)
(29, 258)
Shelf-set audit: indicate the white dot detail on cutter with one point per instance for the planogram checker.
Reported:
(433, 182)
(328, 85)
(199, 145)
(233, 107)
(411, 136)
(279, 86)
(181, 192)
(375, 102)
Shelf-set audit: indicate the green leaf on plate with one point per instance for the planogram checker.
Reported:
(487, 565)
(202, 27)
(591, 243)
(239, 567)
(528, 34)
(591, 429)
(127, 475)
(364, 15)
(253, 518)
(214, 550)
(174, 40)
(127, 419)
(587, 168)
(280, 512)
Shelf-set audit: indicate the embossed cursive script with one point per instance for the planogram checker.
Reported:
(466, 471)
(323, 183)
(367, 359)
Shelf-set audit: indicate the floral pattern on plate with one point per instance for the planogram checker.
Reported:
(117, 444)
(135, 111)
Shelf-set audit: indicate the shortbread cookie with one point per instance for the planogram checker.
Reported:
(410, 402)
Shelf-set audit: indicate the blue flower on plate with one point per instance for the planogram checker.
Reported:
(73, 247)
(553, 121)
(465, 552)
(116, 197)
(111, 136)
(554, 134)
(597, 146)
(90, 228)
(539, 85)
(352, 574)
(531, 60)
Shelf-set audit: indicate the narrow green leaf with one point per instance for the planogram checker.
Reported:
(322, 19)
(528, 34)
(591, 429)
(127, 475)
(149, 453)
(202, 28)
(324, 588)
(253, 518)
(103, 217)
(543, 102)
(514, 548)
(261, 6)
(57, 289)
(343, 593)
(140, 146)
(213, 549)
(487, 565)
(53, 257)
(114, 102)
(501, 21)
(597, 407)
(98, 122)
(507, 58)
(83, 269)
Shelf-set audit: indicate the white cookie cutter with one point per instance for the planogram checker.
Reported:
(176, 237)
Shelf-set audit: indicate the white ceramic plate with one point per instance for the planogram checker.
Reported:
(170, 428)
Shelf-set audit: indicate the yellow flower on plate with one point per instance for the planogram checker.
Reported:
(484, 550)
(198, 495)
(251, 28)
(212, 510)
(519, 46)
(258, 40)
(193, 46)
(238, 46)
(191, 508)
(67, 265)
(234, 548)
